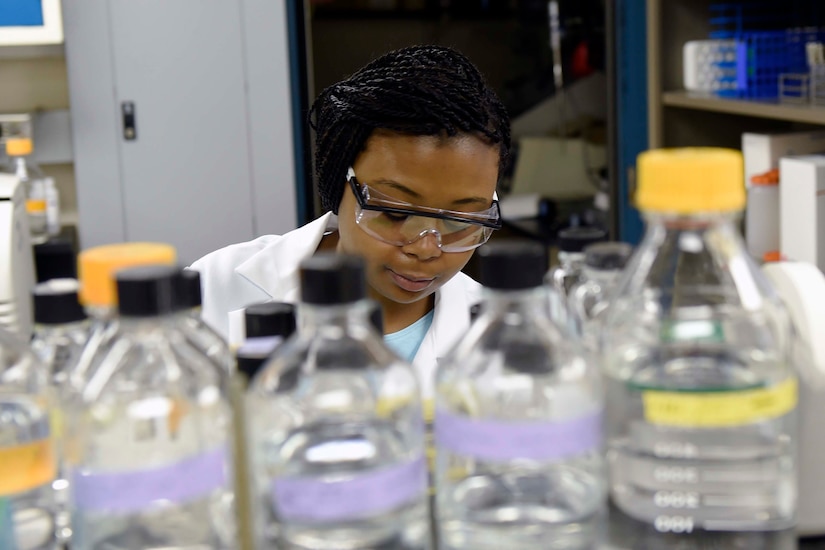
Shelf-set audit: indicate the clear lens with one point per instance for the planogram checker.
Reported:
(402, 229)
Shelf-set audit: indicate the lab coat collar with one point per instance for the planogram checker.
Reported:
(275, 268)
(450, 322)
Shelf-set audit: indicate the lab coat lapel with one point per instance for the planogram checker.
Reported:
(275, 268)
(450, 322)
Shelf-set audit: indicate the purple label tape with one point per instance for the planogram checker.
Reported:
(136, 490)
(501, 441)
(356, 497)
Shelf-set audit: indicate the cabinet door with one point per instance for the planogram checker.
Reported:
(186, 175)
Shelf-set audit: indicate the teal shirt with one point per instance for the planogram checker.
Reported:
(406, 341)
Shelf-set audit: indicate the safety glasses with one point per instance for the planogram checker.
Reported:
(400, 223)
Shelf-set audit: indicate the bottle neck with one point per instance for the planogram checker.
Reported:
(47, 330)
(20, 168)
(101, 313)
(334, 319)
(702, 221)
(138, 323)
(530, 301)
(697, 234)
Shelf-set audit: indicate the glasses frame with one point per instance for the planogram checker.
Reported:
(359, 189)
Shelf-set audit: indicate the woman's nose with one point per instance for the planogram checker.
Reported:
(425, 246)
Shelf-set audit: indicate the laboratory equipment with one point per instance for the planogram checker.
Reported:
(562, 278)
(268, 324)
(603, 265)
(336, 427)
(28, 464)
(151, 461)
(16, 264)
(518, 425)
(802, 289)
(61, 327)
(701, 392)
(198, 333)
(61, 332)
(97, 268)
(20, 164)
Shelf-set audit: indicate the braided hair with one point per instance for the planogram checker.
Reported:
(420, 90)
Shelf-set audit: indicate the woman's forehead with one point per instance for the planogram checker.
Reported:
(452, 169)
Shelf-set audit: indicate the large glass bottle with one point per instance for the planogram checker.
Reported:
(336, 427)
(696, 348)
(28, 462)
(518, 424)
(149, 456)
(61, 331)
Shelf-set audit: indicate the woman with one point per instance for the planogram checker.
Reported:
(409, 152)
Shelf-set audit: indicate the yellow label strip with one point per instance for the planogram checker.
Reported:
(26, 467)
(719, 409)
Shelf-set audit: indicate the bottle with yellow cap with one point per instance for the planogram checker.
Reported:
(695, 345)
(96, 271)
(19, 150)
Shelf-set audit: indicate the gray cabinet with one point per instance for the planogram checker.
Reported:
(211, 158)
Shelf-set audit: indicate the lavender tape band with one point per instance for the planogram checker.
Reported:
(308, 499)
(497, 440)
(136, 490)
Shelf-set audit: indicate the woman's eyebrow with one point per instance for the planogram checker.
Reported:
(414, 194)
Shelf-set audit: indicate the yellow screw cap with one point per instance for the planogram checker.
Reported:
(97, 267)
(19, 147)
(690, 180)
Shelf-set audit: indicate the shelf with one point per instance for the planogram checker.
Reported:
(808, 114)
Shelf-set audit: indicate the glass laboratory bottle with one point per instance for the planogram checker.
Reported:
(98, 294)
(562, 278)
(603, 265)
(267, 324)
(20, 164)
(518, 425)
(61, 331)
(199, 334)
(336, 427)
(150, 458)
(28, 462)
(701, 392)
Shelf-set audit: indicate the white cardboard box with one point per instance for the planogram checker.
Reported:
(802, 209)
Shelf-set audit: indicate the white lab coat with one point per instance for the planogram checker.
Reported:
(266, 269)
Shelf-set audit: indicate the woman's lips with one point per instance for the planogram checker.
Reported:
(411, 283)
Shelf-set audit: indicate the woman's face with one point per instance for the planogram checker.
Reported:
(450, 173)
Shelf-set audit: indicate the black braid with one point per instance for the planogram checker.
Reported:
(421, 90)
